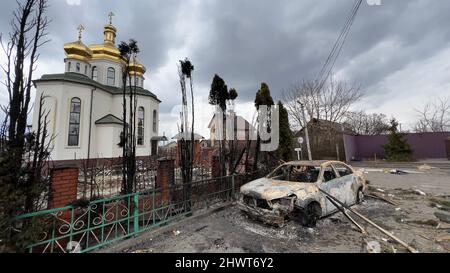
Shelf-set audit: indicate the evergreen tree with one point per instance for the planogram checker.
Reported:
(286, 136)
(263, 98)
(233, 94)
(397, 148)
(218, 95)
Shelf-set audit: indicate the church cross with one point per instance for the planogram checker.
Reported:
(110, 15)
(80, 31)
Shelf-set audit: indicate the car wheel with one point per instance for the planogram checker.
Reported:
(311, 214)
(359, 196)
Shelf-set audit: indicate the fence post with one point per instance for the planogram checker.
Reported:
(232, 188)
(64, 182)
(136, 213)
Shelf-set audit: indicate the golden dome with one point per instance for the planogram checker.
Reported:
(137, 68)
(110, 34)
(78, 51)
(107, 50)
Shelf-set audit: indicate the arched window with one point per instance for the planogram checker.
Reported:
(85, 70)
(78, 67)
(95, 73)
(111, 76)
(141, 120)
(154, 121)
(74, 122)
(69, 67)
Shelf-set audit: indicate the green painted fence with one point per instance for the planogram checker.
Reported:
(101, 222)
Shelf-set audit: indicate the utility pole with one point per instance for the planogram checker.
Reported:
(306, 130)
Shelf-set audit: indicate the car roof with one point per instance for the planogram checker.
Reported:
(312, 163)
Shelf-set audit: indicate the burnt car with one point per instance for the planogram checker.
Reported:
(291, 191)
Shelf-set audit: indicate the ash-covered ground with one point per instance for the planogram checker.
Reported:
(230, 230)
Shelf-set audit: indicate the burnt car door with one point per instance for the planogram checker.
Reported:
(338, 187)
(351, 181)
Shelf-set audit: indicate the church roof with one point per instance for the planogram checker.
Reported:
(109, 119)
(83, 79)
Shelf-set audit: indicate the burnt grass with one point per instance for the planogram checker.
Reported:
(230, 230)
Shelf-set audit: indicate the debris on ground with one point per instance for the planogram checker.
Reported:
(399, 172)
(443, 238)
(424, 168)
(373, 247)
(142, 251)
(412, 221)
(442, 201)
(443, 216)
(430, 222)
(176, 232)
(443, 226)
(381, 197)
(420, 192)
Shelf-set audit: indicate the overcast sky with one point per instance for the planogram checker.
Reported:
(398, 51)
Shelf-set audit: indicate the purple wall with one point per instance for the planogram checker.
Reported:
(350, 147)
(425, 145)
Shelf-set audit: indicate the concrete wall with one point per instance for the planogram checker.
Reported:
(425, 145)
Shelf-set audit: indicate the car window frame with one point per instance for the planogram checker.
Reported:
(322, 172)
(291, 166)
(344, 165)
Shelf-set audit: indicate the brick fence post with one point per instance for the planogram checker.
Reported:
(215, 166)
(64, 181)
(165, 177)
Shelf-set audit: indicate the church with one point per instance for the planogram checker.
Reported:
(85, 102)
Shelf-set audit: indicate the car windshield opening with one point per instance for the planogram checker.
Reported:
(303, 174)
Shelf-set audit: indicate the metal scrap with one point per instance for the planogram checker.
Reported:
(411, 249)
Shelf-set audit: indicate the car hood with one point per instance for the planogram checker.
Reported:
(270, 189)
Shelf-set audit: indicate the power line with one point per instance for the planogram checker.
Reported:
(338, 45)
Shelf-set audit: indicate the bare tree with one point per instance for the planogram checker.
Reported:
(187, 141)
(330, 102)
(128, 52)
(23, 156)
(434, 116)
(367, 124)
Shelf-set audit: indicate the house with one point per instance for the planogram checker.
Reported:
(326, 139)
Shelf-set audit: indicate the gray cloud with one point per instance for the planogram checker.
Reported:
(248, 42)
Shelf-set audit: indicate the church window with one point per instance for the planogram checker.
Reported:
(78, 67)
(141, 119)
(85, 70)
(69, 67)
(95, 73)
(154, 121)
(74, 122)
(111, 76)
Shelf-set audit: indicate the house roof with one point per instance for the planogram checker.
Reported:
(83, 79)
(109, 119)
(187, 136)
(237, 118)
(159, 138)
(326, 125)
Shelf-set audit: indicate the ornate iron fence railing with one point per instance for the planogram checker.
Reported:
(104, 221)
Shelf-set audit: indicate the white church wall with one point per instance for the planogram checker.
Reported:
(103, 66)
(106, 140)
(103, 141)
(50, 106)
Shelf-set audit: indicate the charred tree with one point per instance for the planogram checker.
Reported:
(23, 155)
(128, 52)
(187, 141)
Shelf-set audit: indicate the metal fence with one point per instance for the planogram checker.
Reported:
(100, 222)
(104, 178)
